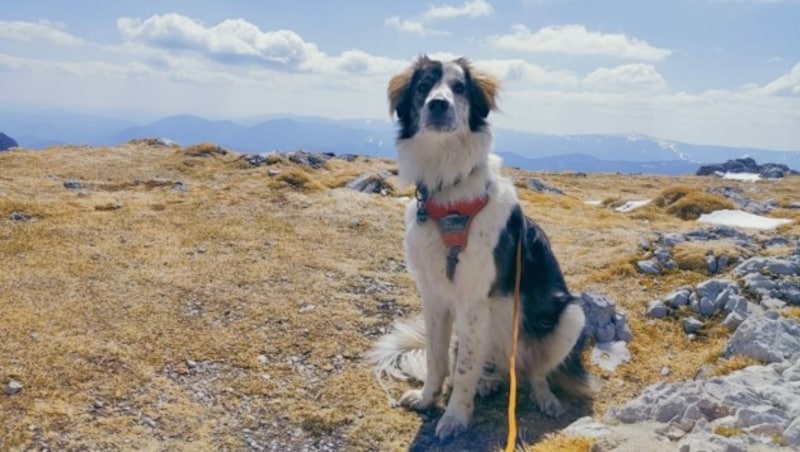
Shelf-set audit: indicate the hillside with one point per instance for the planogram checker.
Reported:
(164, 298)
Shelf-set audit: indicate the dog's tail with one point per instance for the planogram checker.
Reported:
(572, 377)
(400, 354)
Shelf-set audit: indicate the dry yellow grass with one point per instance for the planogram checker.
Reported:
(236, 306)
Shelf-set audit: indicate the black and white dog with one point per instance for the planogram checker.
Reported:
(461, 237)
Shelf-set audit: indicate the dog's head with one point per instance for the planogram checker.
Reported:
(441, 97)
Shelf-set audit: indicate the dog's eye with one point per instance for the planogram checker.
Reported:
(423, 87)
(458, 88)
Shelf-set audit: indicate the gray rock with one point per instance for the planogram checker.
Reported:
(621, 328)
(541, 187)
(733, 320)
(657, 309)
(790, 291)
(707, 308)
(13, 387)
(791, 436)
(712, 288)
(722, 262)
(663, 256)
(649, 267)
(772, 304)
(737, 303)
(644, 244)
(677, 298)
(272, 172)
(691, 325)
(603, 323)
(760, 401)
(73, 185)
(767, 337)
(20, 216)
(775, 265)
(711, 263)
(369, 183)
(758, 284)
(587, 427)
(254, 159)
(314, 160)
(778, 242)
(671, 239)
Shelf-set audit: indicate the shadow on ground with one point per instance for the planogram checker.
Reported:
(489, 426)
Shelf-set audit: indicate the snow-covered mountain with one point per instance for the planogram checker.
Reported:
(598, 152)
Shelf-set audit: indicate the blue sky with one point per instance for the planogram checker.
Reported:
(704, 71)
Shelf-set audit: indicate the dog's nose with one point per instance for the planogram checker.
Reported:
(438, 105)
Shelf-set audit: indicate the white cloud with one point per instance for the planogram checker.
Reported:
(577, 40)
(230, 40)
(786, 85)
(237, 42)
(412, 26)
(471, 8)
(42, 31)
(627, 77)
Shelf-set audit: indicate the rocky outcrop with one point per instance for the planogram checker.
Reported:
(6, 142)
(746, 165)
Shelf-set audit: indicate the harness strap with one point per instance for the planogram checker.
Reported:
(453, 221)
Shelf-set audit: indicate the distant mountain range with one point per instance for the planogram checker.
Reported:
(627, 153)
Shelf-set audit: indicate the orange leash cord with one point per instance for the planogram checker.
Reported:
(511, 441)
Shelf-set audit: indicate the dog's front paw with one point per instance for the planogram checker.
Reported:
(414, 400)
(451, 425)
(549, 404)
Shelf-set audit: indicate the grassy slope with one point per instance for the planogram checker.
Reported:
(274, 287)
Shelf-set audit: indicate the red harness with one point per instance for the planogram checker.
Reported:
(453, 221)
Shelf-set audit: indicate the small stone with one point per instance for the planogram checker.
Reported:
(711, 263)
(665, 371)
(191, 364)
(272, 172)
(707, 307)
(306, 309)
(19, 216)
(677, 298)
(73, 185)
(691, 325)
(657, 309)
(262, 359)
(649, 267)
(13, 387)
(354, 223)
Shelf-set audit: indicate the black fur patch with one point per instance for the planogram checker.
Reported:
(425, 77)
(478, 109)
(543, 291)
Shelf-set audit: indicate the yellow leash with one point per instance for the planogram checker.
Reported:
(511, 442)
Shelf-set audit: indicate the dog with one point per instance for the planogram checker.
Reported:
(462, 232)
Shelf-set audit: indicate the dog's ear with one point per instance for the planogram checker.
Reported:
(483, 89)
(399, 86)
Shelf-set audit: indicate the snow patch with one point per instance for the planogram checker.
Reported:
(632, 205)
(593, 203)
(741, 219)
(746, 177)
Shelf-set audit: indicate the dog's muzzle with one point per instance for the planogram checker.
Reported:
(439, 114)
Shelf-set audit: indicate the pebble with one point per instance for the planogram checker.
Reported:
(13, 387)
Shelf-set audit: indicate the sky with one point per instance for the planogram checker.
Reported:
(724, 72)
